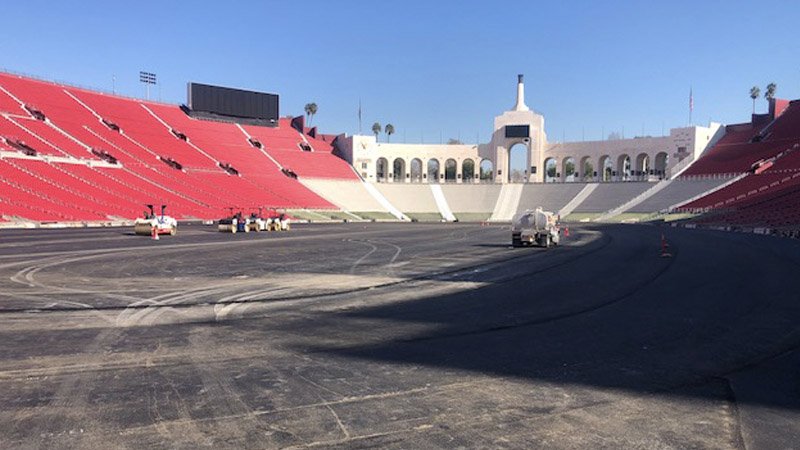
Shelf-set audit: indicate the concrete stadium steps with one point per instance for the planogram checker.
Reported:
(507, 203)
(549, 196)
(471, 198)
(677, 192)
(622, 211)
(608, 196)
(15, 129)
(347, 195)
(410, 198)
(8, 104)
(577, 200)
(441, 203)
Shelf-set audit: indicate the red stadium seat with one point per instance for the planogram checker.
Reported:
(219, 167)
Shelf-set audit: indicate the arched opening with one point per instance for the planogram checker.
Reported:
(416, 170)
(381, 169)
(606, 168)
(551, 173)
(433, 171)
(661, 163)
(642, 166)
(587, 169)
(568, 169)
(624, 167)
(518, 163)
(450, 169)
(468, 170)
(486, 170)
(399, 170)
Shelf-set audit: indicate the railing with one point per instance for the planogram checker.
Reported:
(709, 176)
(69, 84)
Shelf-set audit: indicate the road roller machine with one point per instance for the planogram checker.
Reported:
(234, 223)
(257, 222)
(278, 221)
(153, 224)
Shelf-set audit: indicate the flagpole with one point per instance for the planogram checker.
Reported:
(359, 116)
(691, 105)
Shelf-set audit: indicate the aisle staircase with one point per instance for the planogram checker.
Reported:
(441, 203)
(374, 192)
(507, 203)
(577, 200)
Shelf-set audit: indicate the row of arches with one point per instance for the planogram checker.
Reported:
(432, 171)
(606, 168)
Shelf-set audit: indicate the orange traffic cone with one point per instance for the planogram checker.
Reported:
(664, 247)
(566, 231)
(154, 233)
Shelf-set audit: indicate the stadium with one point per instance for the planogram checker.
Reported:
(291, 286)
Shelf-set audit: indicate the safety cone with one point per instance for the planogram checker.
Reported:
(154, 234)
(566, 231)
(664, 247)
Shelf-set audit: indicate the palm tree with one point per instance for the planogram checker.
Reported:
(771, 88)
(311, 109)
(389, 131)
(376, 129)
(754, 93)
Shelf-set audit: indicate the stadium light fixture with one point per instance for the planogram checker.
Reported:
(147, 78)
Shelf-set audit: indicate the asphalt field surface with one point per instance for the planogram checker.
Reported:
(413, 336)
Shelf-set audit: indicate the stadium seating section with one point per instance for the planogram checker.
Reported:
(767, 159)
(71, 154)
(60, 166)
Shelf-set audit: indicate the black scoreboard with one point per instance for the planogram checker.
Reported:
(518, 131)
(229, 102)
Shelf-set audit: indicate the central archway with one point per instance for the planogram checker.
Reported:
(518, 163)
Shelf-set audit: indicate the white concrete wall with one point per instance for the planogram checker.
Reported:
(349, 195)
(364, 152)
(409, 198)
(471, 198)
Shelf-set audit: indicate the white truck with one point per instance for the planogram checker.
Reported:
(535, 227)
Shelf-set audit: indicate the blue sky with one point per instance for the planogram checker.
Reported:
(430, 68)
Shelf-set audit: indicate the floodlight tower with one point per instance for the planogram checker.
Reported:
(147, 78)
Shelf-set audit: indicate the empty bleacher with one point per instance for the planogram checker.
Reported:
(284, 145)
(80, 134)
(678, 191)
(770, 161)
(549, 196)
(608, 196)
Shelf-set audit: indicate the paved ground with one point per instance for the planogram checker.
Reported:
(398, 336)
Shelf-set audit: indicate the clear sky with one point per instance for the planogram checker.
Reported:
(431, 68)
